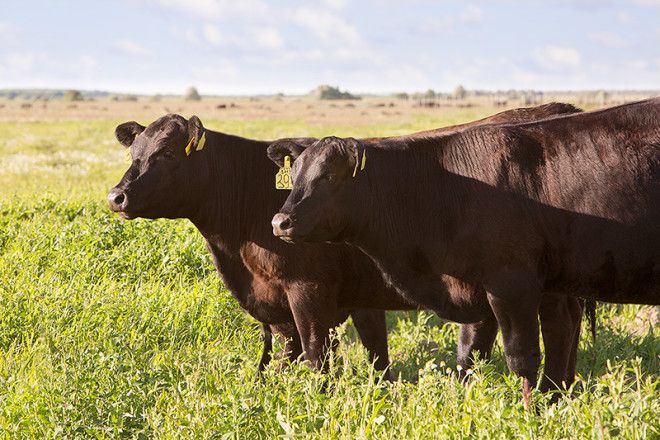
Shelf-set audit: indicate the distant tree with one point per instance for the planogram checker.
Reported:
(430, 93)
(329, 92)
(192, 94)
(401, 95)
(72, 95)
(460, 92)
(155, 98)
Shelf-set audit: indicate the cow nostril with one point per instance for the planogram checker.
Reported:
(281, 222)
(117, 200)
(285, 224)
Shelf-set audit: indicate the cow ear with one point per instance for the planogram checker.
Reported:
(195, 132)
(353, 148)
(288, 147)
(350, 148)
(126, 132)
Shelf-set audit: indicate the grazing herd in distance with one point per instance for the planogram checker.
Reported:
(506, 222)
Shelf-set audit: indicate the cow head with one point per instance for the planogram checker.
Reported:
(167, 174)
(319, 204)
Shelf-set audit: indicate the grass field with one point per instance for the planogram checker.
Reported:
(116, 329)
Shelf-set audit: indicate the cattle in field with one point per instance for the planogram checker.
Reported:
(226, 188)
(566, 205)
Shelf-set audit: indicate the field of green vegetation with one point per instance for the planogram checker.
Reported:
(118, 329)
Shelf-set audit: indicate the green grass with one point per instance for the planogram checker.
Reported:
(114, 329)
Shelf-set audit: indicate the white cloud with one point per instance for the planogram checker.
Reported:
(624, 17)
(256, 37)
(524, 78)
(336, 4)
(447, 23)
(40, 69)
(607, 39)
(190, 36)
(304, 55)
(268, 38)
(589, 3)
(216, 70)
(213, 35)
(473, 14)
(211, 9)
(437, 24)
(326, 25)
(553, 57)
(131, 48)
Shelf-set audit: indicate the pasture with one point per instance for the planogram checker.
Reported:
(122, 329)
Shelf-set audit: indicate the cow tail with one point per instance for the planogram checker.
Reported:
(589, 306)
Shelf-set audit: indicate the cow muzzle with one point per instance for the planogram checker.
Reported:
(282, 226)
(118, 201)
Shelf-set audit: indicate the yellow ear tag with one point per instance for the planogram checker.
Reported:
(283, 177)
(202, 141)
(189, 146)
(127, 155)
(361, 164)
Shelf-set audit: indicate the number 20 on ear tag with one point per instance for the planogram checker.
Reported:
(283, 177)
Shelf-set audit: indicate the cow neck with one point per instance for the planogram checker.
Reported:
(406, 231)
(236, 204)
(239, 192)
(389, 208)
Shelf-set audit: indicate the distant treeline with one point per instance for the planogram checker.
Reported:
(49, 94)
(86, 95)
(324, 92)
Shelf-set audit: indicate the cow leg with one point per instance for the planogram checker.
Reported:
(577, 312)
(514, 298)
(560, 325)
(267, 339)
(478, 337)
(287, 334)
(315, 339)
(314, 319)
(372, 329)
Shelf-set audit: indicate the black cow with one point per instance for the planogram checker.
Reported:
(566, 205)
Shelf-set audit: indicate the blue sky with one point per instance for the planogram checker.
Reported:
(261, 46)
